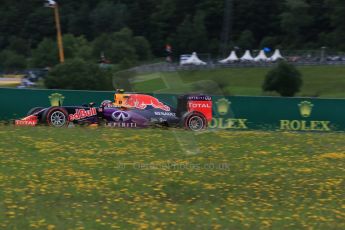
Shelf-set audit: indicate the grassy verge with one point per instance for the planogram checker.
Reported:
(320, 81)
(108, 179)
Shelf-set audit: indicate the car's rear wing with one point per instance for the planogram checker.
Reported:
(195, 103)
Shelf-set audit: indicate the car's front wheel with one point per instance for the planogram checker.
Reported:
(56, 117)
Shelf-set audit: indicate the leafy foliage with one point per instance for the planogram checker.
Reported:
(79, 74)
(108, 17)
(122, 45)
(284, 79)
(187, 25)
(74, 47)
(45, 54)
(11, 61)
(246, 40)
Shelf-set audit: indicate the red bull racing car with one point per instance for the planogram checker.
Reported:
(128, 110)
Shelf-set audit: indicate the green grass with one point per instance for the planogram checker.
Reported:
(321, 81)
(91, 178)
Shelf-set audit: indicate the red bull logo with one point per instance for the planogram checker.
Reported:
(82, 113)
(141, 101)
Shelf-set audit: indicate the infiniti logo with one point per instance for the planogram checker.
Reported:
(120, 116)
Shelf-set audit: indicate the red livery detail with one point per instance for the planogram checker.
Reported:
(204, 107)
(27, 121)
(141, 101)
(82, 113)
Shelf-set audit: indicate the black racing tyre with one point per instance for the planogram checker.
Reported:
(56, 117)
(34, 110)
(195, 122)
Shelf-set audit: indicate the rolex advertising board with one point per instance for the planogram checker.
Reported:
(229, 113)
(275, 113)
(224, 117)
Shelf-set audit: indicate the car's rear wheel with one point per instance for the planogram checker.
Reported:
(195, 122)
(56, 117)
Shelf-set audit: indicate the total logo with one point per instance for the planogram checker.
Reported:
(199, 105)
(25, 123)
(82, 113)
(120, 116)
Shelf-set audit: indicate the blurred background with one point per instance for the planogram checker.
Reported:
(157, 36)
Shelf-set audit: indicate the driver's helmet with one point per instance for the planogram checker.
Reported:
(106, 103)
(120, 99)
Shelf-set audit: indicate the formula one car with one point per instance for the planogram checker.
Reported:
(193, 112)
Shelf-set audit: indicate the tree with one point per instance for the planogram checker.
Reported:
(46, 54)
(123, 50)
(76, 47)
(162, 23)
(246, 40)
(271, 22)
(142, 47)
(200, 39)
(191, 35)
(294, 20)
(184, 36)
(336, 37)
(79, 21)
(108, 17)
(39, 24)
(19, 46)
(116, 47)
(79, 75)
(102, 45)
(269, 41)
(11, 61)
(284, 79)
(122, 46)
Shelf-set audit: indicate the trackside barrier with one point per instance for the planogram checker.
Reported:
(233, 113)
(15, 103)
